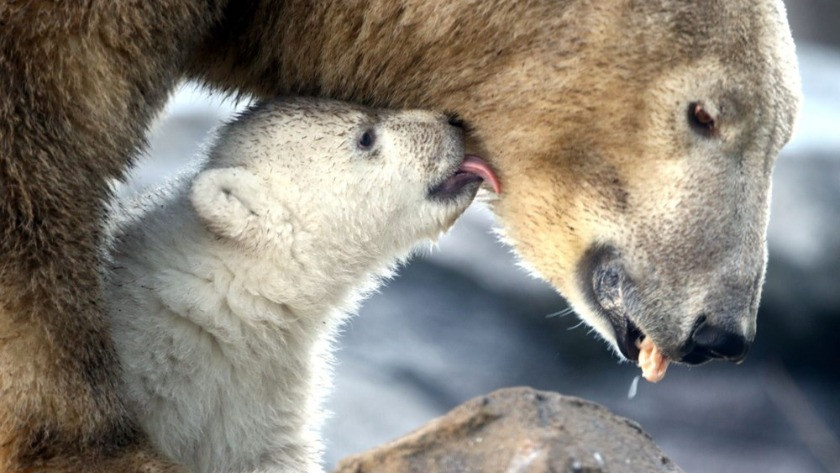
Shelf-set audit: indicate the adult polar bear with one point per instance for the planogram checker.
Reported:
(634, 138)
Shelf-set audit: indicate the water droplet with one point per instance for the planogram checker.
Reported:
(634, 388)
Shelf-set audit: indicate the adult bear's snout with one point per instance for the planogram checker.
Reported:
(711, 341)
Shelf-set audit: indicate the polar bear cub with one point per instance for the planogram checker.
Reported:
(225, 290)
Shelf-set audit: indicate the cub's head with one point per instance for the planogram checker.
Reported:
(643, 193)
(318, 173)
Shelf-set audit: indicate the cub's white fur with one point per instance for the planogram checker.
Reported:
(225, 290)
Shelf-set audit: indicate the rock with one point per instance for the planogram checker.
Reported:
(519, 430)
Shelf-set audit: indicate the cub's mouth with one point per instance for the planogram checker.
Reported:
(465, 178)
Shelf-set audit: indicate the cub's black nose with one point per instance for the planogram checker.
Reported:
(710, 341)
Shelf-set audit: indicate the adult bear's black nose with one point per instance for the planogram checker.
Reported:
(709, 341)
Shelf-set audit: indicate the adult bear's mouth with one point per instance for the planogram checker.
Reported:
(606, 287)
(629, 340)
(471, 170)
(611, 293)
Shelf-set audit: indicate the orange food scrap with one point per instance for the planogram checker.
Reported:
(652, 362)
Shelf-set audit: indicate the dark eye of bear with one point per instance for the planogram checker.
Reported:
(701, 121)
(366, 140)
(455, 120)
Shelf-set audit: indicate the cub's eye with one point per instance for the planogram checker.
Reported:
(701, 120)
(366, 140)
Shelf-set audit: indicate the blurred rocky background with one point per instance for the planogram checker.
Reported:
(464, 320)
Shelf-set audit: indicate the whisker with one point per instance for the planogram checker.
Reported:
(561, 313)
(575, 326)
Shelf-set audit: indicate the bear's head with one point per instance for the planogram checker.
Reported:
(335, 180)
(643, 196)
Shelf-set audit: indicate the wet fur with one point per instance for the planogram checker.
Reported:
(576, 104)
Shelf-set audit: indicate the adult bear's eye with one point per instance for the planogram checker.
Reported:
(701, 120)
(367, 139)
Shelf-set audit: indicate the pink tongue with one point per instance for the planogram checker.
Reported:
(479, 167)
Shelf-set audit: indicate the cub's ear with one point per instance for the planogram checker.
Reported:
(233, 204)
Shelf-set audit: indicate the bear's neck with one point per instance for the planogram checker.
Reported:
(383, 53)
(321, 276)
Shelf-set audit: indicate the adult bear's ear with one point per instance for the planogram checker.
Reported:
(232, 202)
